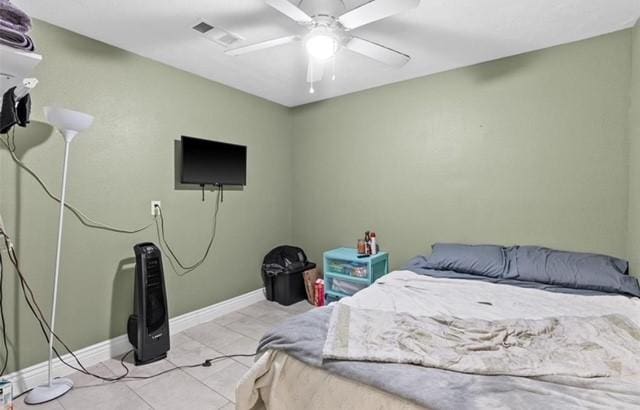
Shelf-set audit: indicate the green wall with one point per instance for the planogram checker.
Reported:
(633, 243)
(117, 167)
(529, 150)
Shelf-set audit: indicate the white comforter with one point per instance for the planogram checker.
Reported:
(594, 346)
(581, 335)
(404, 291)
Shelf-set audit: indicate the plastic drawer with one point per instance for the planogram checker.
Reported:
(349, 268)
(343, 286)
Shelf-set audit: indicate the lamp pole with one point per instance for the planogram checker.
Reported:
(68, 123)
(63, 190)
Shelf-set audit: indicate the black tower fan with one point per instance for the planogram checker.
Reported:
(148, 326)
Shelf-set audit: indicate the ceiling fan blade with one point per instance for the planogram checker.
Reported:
(262, 45)
(315, 70)
(377, 52)
(290, 10)
(373, 11)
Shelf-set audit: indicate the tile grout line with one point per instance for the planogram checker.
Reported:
(208, 387)
(129, 387)
(193, 377)
(227, 328)
(242, 317)
(141, 398)
(216, 320)
(56, 401)
(236, 359)
(123, 383)
(241, 334)
(154, 379)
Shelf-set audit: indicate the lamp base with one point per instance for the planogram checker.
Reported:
(45, 392)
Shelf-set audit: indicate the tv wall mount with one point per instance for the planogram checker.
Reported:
(219, 186)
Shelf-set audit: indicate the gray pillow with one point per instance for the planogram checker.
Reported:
(485, 260)
(571, 269)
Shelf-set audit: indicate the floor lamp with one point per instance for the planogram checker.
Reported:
(69, 124)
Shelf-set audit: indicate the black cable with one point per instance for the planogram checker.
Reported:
(35, 308)
(161, 235)
(2, 321)
(43, 324)
(82, 217)
(206, 363)
(16, 397)
(39, 316)
(213, 235)
(44, 327)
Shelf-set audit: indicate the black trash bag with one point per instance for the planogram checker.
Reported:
(283, 259)
(282, 271)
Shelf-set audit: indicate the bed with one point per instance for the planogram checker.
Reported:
(377, 350)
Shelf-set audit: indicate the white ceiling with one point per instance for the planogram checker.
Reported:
(439, 35)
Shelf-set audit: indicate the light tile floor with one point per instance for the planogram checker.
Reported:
(194, 388)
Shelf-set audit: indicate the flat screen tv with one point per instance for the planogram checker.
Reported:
(206, 162)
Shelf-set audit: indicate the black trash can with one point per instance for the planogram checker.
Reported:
(282, 271)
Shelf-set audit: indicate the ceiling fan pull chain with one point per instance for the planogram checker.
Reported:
(333, 68)
(311, 76)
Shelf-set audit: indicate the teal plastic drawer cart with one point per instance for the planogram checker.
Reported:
(346, 274)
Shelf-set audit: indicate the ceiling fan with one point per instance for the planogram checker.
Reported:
(328, 34)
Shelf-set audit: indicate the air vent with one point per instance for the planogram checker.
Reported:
(202, 27)
(216, 34)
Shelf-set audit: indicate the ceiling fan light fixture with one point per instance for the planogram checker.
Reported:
(329, 33)
(321, 45)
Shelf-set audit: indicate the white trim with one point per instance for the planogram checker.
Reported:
(35, 375)
(191, 319)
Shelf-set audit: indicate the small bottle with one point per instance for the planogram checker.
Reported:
(374, 245)
(367, 241)
(319, 290)
(362, 247)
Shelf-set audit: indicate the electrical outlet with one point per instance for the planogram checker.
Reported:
(155, 211)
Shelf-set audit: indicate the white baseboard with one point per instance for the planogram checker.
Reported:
(37, 374)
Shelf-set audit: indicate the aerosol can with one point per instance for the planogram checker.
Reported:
(6, 395)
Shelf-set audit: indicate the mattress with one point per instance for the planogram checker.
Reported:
(291, 372)
(279, 381)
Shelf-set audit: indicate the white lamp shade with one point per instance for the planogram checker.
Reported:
(68, 122)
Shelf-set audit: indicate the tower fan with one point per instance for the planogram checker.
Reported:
(148, 326)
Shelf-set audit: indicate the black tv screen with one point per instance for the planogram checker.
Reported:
(207, 162)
